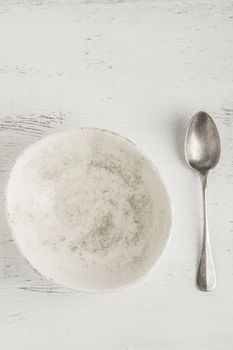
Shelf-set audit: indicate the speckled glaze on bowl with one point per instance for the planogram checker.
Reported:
(88, 210)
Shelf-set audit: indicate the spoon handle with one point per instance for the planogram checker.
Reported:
(206, 279)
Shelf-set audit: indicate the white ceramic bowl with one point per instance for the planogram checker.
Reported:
(88, 210)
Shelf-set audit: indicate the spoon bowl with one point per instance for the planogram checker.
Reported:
(202, 144)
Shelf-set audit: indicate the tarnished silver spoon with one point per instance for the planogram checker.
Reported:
(202, 153)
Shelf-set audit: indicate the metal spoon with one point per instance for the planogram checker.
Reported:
(202, 153)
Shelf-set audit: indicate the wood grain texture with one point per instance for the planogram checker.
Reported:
(142, 69)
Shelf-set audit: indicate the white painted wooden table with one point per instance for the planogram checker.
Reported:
(140, 68)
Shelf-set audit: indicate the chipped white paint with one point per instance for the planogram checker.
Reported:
(140, 68)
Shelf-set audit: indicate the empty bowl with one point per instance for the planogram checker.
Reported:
(88, 210)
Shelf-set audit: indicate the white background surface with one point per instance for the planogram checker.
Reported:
(140, 68)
